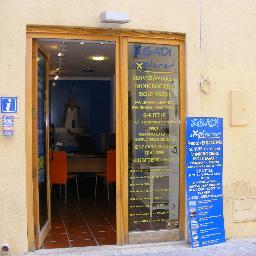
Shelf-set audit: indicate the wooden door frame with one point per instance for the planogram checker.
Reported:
(182, 113)
(120, 38)
(39, 233)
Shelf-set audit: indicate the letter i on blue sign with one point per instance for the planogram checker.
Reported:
(8, 105)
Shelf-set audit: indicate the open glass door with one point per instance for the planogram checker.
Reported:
(155, 140)
(41, 186)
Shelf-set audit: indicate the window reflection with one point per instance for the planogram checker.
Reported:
(41, 125)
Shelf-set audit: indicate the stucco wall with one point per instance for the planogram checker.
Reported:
(230, 62)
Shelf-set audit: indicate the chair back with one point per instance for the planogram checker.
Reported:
(111, 165)
(58, 167)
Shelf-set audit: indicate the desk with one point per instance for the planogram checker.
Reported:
(86, 163)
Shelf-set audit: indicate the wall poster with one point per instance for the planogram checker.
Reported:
(204, 162)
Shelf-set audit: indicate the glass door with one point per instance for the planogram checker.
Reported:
(41, 184)
(155, 141)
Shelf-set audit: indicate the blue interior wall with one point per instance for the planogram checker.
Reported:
(93, 98)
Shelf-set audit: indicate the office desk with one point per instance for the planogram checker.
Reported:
(86, 163)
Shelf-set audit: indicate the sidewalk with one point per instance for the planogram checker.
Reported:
(233, 247)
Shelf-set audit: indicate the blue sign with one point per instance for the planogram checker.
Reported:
(8, 132)
(8, 105)
(204, 161)
(8, 121)
(8, 124)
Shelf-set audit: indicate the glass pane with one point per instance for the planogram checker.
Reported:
(41, 108)
(153, 137)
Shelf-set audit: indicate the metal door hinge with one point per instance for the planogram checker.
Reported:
(34, 173)
(36, 232)
(34, 114)
(33, 54)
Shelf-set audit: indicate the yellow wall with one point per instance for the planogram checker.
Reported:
(230, 62)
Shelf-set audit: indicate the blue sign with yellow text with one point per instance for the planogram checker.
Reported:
(204, 164)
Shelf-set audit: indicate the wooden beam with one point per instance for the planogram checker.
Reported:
(39, 31)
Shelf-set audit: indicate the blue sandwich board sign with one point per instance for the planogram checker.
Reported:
(204, 163)
(8, 105)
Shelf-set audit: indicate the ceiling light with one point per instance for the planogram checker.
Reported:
(60, 54)
(98, 58)
(56, 77)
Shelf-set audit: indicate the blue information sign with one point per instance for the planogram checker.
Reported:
(8, 121)
(8, 124)
(8, 105)
(204, 161)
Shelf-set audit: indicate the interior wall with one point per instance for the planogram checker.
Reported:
(230, 62)
(94, 99)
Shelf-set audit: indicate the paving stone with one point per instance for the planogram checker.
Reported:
(233, 247)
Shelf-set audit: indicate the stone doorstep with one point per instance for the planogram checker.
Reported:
(114, 249)
(176, 247)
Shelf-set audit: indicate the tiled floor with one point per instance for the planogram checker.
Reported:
(81, 223)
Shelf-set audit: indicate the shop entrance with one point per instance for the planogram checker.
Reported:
(138, 121)
(75, 141)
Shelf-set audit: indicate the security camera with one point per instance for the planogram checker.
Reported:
(4, 249)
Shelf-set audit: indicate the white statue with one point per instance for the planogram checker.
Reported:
(72, 119)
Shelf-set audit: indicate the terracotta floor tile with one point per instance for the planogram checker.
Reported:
(82, 226)
(82, 235)
(57, 232)
(83, 239)
(58, 225)
(69, 218)
(57, 236)
(75, 218)
(105, 236)
(79, 219)
(93, 217)
(83, 243)
(57, 244)
(75, 225)
(104, 229)
(78, 233)
(95, 223)
(77, 229)
(106, 242)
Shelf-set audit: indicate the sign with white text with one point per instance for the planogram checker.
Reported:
(8, 124)
(204, 163)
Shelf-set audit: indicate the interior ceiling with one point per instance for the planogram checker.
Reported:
(77, 61)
